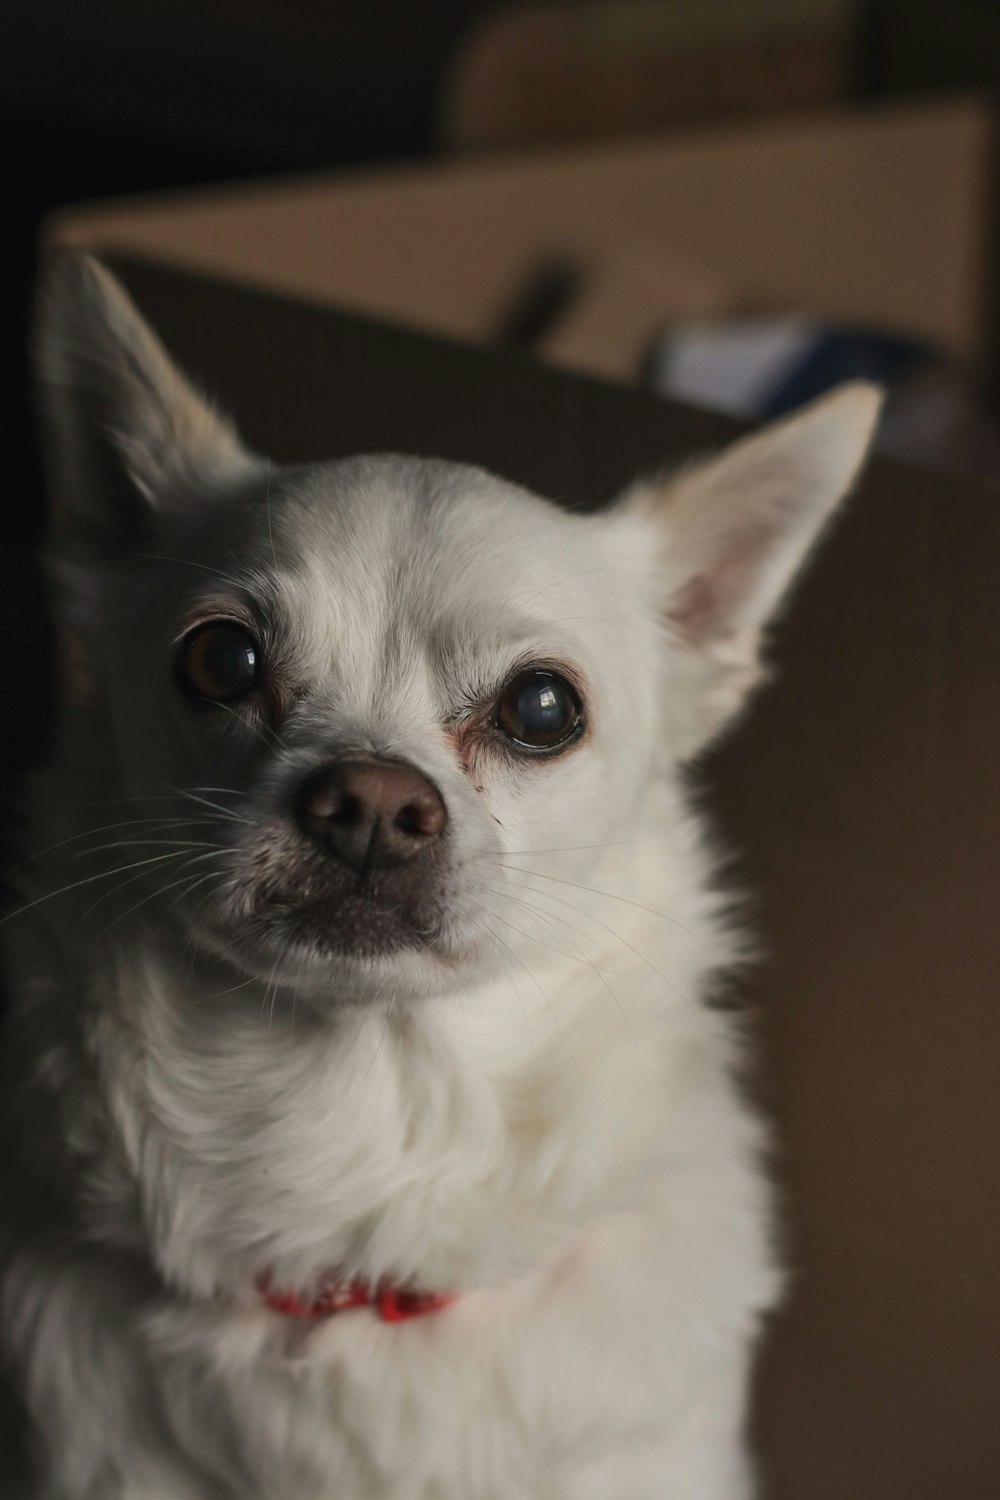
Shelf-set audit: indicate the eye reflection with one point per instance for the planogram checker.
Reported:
(219, 661)
(539, 710)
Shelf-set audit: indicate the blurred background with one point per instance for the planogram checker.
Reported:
(726, 204)
(733, 205)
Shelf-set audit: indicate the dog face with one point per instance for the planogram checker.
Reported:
(363, 691)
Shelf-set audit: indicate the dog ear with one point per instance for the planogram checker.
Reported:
(125, 434)
(734, 531)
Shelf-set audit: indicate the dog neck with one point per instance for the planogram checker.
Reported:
(436, 1144)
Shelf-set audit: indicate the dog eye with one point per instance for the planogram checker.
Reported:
(539, 709)
(219, 661)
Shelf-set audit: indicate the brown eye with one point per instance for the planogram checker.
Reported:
(539, 710)
(218, 661)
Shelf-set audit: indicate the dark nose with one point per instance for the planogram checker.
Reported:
(371, 813)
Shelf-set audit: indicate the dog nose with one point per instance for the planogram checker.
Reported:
(371, 813)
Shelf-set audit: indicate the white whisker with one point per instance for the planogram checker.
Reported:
(219, 994)
(184, 562)
(378, 1048)
(150, 896)
(579, 958)
(519, 960)
(148, 843)
(103, 828)
(610, 895)
(549, 896)
(260, 730)
(224, 812)
(88, 880)
(568, 848)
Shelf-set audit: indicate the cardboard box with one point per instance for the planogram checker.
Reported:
(874, 215)
(544, 71)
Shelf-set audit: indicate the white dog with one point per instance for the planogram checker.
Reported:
(368, 1133)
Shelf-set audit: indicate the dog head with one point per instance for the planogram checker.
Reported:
(351, 698)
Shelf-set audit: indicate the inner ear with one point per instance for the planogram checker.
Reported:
(696, 611)
(733, 532)
(736, 529)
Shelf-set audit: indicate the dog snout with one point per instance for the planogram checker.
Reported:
(371, 813)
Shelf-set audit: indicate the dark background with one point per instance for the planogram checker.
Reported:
(879, 1386)
(116, 97)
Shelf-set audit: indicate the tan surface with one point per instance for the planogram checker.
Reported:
(873, 215)
(629, 295)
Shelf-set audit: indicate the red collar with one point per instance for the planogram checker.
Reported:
(393, 1304)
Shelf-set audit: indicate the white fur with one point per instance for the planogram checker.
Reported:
(540, 1114)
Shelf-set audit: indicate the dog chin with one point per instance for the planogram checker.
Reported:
(345, 927)
(337, 954)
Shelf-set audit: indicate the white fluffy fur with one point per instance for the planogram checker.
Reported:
(543, 1117)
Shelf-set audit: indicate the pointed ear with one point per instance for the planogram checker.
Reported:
(734, 532)
(125, 434)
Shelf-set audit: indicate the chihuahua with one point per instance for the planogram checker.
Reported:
(369, 1132)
